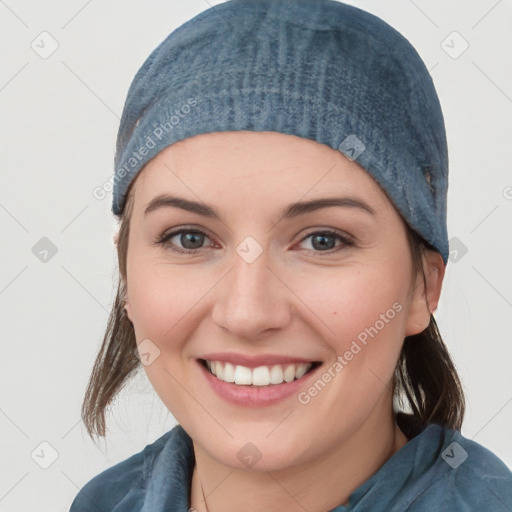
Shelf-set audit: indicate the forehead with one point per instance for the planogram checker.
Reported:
(264, 165)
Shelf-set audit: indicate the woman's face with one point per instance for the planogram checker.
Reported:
(268, 251)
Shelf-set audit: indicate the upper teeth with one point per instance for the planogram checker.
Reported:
(260, 376)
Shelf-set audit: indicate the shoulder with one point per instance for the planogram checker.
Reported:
(122, 487)
(477, 472)
(469, 477)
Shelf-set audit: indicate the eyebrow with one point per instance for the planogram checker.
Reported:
(291, 211)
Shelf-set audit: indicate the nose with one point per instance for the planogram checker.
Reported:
(251, 299)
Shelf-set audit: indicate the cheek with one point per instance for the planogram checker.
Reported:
(166, 302)
(162, 295)
(349, 300)
(361, 315)
(363, 324)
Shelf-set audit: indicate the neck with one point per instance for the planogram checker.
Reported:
(335, 475)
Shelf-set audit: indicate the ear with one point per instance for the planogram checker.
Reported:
(128, 308)
(116, 238)
(425, 299)
(126, 303)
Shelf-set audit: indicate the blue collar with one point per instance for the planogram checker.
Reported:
(169, 464)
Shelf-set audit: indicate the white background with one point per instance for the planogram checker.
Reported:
(58, 126)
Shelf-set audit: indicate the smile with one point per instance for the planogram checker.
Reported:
(260, 376)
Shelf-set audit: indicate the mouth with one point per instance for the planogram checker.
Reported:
(260, 376)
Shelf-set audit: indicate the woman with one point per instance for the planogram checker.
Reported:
(281, 180)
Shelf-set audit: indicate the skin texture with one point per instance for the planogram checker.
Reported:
(295, 299)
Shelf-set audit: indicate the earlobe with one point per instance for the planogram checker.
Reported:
(425, 295)
(128, 310)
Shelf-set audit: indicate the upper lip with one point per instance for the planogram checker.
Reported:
(255, 361)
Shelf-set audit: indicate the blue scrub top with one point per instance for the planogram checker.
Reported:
(439, 470)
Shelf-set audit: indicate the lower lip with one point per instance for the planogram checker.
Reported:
(255, 396)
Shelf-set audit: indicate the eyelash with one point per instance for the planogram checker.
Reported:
(165, 237)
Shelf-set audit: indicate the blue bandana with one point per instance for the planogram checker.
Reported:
(316, 69)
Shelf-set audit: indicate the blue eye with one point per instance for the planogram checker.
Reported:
(190, 241)
(323, 241)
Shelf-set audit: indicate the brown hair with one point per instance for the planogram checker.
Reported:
(425, 378)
